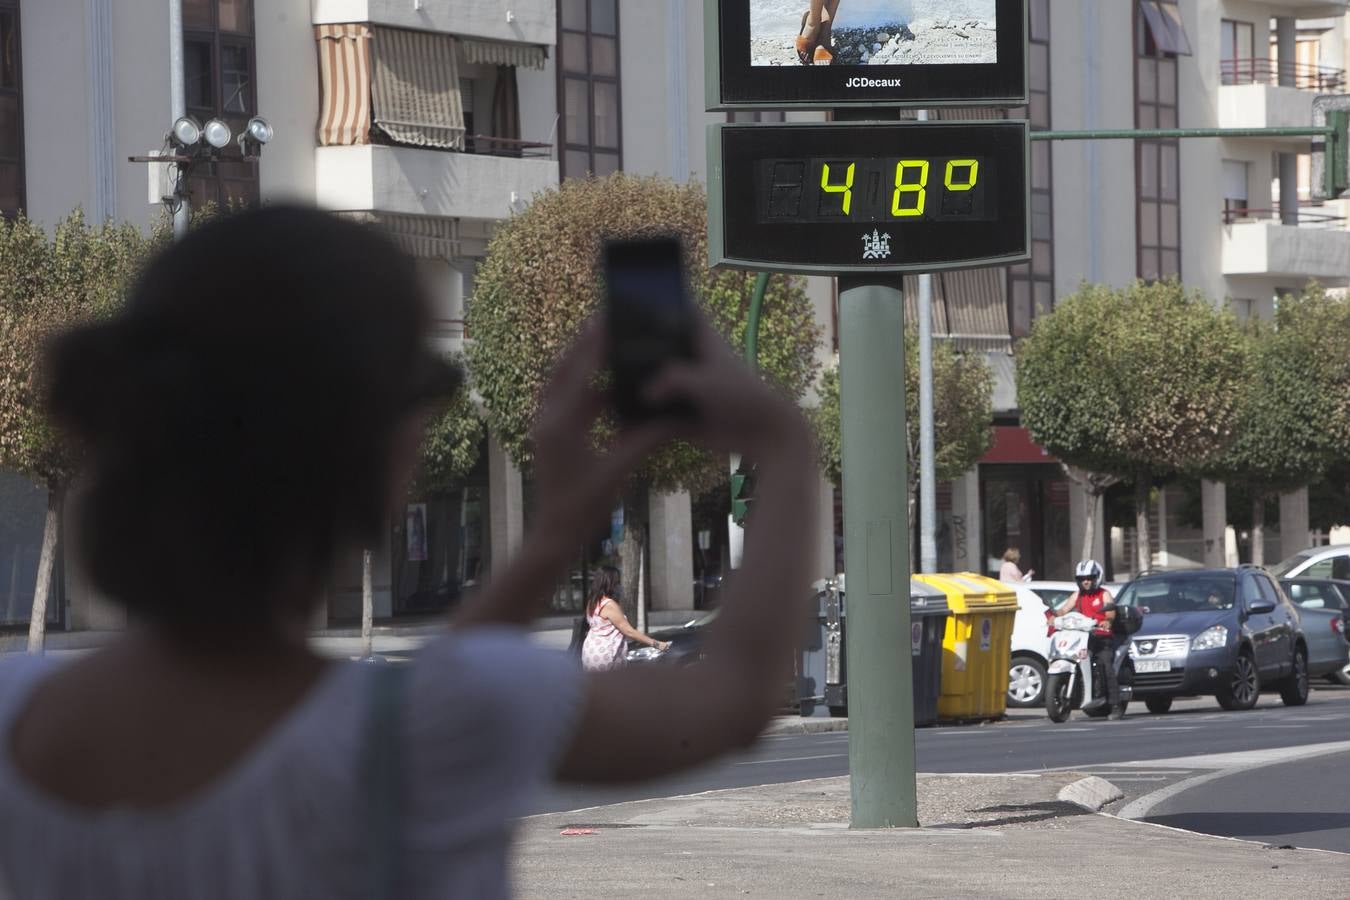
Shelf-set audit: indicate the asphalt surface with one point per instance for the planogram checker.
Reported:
(1145, 755)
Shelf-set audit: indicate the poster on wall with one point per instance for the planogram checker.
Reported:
(831, 53)
(417, 532)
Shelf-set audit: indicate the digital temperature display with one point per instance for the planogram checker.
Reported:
(891, 190)
(848, 197)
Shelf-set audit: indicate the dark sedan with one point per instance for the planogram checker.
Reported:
(1324, 605)
(686, 642)
(1228, 633)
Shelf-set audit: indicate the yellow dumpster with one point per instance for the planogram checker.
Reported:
(975, 646)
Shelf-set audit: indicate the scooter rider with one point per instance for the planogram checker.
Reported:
(1096, 602)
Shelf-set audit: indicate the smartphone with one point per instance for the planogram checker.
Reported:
(651, 321)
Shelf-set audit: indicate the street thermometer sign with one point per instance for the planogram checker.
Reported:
(850, 197)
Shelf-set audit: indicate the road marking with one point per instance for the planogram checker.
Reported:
(1238, 762)
(1287, 725)
(1174, 727)
(764, 762)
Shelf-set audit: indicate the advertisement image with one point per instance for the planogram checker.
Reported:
(872, 32)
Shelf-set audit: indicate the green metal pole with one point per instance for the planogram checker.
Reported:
(752, 320)
(876, 544)
(1166, 133)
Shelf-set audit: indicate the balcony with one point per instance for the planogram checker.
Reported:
(514, 21)
(1305, 9)
(1257, 243)
(419, 182)
(1251, 94)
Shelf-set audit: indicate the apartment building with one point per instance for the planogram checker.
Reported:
(437, 119)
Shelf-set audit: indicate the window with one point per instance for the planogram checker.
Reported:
(1157, 162)
(1237, 52)
(588, 87)
(1031, 286)
(12, 197)
(218, 74)
(1234, 190)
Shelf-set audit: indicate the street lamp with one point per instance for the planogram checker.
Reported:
(217, 134)
(256, 133)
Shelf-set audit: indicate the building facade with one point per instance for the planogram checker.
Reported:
(437, 119)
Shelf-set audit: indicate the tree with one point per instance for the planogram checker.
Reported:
(448, 453)
(48, 284)
(540, 282)
(1287, 433)
(963, 414)
(1132, 384)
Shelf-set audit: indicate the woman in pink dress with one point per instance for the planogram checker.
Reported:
(604, 645)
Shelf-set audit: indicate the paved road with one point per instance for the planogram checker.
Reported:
(1142, 755)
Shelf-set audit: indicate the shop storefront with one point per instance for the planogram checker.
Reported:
(1024, 503)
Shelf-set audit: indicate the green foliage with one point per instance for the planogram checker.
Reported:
(1283, 439)
(451, 447)
(1136, 381)
(540, 282)
(48, 284)
(962, 412)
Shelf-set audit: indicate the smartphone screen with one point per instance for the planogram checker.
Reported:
(650, 320)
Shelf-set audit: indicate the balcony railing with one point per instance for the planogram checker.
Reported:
(499, 146)
(1308, 217)
(1322, 79)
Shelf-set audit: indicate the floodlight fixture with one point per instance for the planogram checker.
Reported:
(217, 134)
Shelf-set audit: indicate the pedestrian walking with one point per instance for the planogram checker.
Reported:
(241, 440)
(607, 640)
(1009, 571)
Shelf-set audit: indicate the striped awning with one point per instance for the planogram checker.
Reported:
(970, 307)
(416, 88)
(501, 53)
(344, 75)
(421, 237)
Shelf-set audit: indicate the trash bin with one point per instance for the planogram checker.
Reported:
(975, 645)
(927, 625)
(822, 685)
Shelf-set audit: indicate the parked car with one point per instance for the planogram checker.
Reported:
(1228, 633)
(1030, 649)
(1316, 562)
(1324, 606)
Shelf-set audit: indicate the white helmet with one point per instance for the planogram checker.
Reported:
(1089, 568)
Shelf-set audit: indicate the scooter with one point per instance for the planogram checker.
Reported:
(1074, 679)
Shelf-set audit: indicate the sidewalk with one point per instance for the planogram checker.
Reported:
(1032, 837)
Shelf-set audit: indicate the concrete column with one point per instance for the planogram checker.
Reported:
(672, 551)
(1293, 522)
(506, 505)
(1286, 47)
(967, 526)
(1078, 505)
(1214, 516)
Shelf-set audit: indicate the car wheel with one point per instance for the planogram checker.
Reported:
(1244, 687)
(1158, 705)
(1026, 682)
(1294, 689)
(1340, 676)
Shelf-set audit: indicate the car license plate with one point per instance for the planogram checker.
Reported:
(1152, 665)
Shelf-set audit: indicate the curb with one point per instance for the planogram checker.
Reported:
(1091, 793)
(791, 725)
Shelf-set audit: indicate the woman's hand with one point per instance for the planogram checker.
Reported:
(735, 411)
(576, 484)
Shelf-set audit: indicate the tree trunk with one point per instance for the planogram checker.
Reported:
(367, 607)
(1259, 529)
(37, 624)
(1090, 525)
(1143, 559)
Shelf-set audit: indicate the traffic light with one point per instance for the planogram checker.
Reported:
(742, 491)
